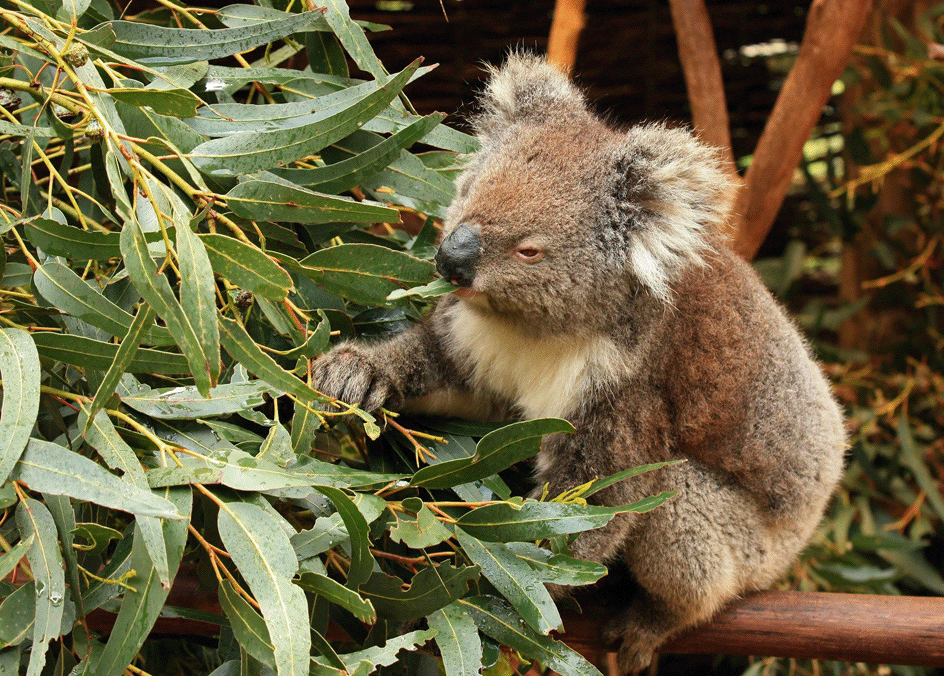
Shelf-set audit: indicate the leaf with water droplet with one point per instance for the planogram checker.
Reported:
(19, 368)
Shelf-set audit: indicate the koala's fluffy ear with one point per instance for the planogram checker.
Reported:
(674, 196)
(526, 89)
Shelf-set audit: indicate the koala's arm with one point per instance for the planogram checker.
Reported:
(370, 375)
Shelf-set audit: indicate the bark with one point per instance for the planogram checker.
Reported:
(832, 29)
(699, 56)
(568, 22)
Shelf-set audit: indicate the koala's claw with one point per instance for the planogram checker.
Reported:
(349, 375)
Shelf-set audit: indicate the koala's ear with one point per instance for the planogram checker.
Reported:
(674, 196)
(526, 88)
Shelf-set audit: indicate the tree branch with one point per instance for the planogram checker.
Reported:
(832, 28)
(699, 56)
(566, 26)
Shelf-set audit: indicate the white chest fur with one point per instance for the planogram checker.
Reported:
(543, 377)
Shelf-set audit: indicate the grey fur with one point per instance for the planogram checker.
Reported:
(640, 326)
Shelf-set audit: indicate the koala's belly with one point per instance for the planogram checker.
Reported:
(540, 377)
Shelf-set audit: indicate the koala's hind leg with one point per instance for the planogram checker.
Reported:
(689, 556)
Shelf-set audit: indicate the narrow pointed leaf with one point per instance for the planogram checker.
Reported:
(362, 561)
(19, 368)
(11, 558)
(74, 243)
(103, 437)
(186, 403)
(458, 640)
(496, 451)
(338, 594)
(123, 358)
(266, 560)
(50, 468)
(557, 568)
(268, 201)
(515, 580)
(174, 102)
(87, 353)
(157, 293)
(385, 655)
(340, 176)
(247, 267)
(363, 273)
(431, 589)
(532, 520)
(156, 45)
(245, 153)
(352, 37)
(247, 625)
(69, 293)
(142, 603)
(497, 619)
(44, 558)
(198, 295)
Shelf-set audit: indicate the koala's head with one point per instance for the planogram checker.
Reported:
(559, 215)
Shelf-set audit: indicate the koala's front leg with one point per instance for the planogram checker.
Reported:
(371, 375)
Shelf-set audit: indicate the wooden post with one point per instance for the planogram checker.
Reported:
(845, 627)
(566, 26)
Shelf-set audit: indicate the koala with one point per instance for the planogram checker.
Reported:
(593, 283)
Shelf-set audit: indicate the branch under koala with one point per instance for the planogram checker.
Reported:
(844, 627)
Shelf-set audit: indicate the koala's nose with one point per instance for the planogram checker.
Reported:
(458, 254)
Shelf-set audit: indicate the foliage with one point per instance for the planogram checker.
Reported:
(159, 207)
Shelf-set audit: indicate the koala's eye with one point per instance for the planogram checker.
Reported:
(528, 254)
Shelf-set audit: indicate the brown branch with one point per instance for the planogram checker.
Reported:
(844, 627)
(566, 26)
(832, 28)
(699, 56)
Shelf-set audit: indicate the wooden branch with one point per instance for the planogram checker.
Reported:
(832, 28)
(845, 627)
(699, 56)
(568, 22)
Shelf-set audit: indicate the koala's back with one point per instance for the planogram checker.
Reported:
(746, 394)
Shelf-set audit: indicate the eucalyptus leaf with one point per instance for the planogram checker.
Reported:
(247, 267)
(19, 368)
(458, 640)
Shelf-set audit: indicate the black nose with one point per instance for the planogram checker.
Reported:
(458, 254)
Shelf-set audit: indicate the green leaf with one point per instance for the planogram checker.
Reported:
(94, 354)
(247, 267)
(247, 625)
(17, 612)
(20, 370)
(265, 558)
(385, 655)
(352, 37)
(71, 242)
(156, 45)
(599, 484)
(497, 619)
(69, 293)
(142, 602)
(532, 520)
(123, 358)
(458, 640)
(268, 201)
(557, 568)
(198, 295)
(363, 273)
(420, 531)
(34, 520)
(245, 153)
(362, 561)
(515, 580)
(340, 176)
(9, 560)
(50, 468)
(174, 102)
(243, 349)
(277, 447)
(437, 287)
(157, 293)
(496, 451)
(432, 588)
(915, 461)
(101, 434)
(338, 594)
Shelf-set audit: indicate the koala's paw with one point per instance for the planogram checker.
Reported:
(348, 374)
(636, 645)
